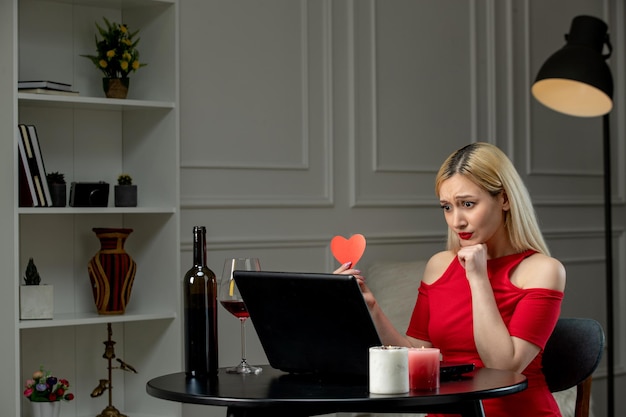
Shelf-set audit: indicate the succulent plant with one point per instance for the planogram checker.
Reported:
(55, 178)
(31, 276)
(124, 179)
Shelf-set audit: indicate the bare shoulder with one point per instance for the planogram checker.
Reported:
(437, 265)
(540, 271)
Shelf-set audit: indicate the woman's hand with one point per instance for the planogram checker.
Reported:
(389, 335)
(346, 269)
(474, 260)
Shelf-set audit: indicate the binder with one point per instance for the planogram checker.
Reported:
(27, 192)
(35, 166)
(32, 134)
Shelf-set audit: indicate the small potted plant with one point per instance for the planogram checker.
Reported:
(58, 188)
(116, 56)
(45, 392)
(36, 301)
(125, 192)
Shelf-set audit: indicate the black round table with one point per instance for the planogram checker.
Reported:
(276, 393)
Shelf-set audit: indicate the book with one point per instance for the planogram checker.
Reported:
(51, 85)
(27, 192)
(30, 167)
(38, 178)
(34, 141)
(48, 91)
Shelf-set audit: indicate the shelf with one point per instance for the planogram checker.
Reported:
(78, 319)
(99, 103)
(115, 3)
(93, 138)
(133, 414)
(95, 210)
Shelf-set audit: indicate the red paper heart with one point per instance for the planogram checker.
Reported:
(348, 250)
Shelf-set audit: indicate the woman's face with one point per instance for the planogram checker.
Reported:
(471, 212)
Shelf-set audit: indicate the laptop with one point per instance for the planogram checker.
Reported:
(309, 322)
(315, 323)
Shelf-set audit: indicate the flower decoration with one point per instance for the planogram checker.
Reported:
(117, 54)
(44, 387)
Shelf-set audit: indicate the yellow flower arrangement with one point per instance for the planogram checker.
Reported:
(117, 54)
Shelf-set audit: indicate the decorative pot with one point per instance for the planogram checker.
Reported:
(115, 87)
(112, 271)
(46, 409)
(36, 302)
(58, 193)
(125, 196)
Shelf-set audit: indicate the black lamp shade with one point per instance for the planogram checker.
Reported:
(576, 79)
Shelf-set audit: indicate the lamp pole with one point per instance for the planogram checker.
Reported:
(608, 247)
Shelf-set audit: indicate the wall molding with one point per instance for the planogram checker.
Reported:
(311, 241)
(382, 239)
(363, 105)
(265, 173)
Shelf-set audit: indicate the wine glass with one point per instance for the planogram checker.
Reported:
(233, 303)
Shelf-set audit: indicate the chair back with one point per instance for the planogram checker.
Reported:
(572, 353)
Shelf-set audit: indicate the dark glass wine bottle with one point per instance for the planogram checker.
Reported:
(200, 298)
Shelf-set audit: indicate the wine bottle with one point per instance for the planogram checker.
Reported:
(200, 322)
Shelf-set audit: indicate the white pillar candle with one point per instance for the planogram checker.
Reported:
(388, 370)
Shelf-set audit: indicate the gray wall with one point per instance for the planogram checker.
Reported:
(301, 120)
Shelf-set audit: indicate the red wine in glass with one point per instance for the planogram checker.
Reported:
(230, 298)
(236, 308)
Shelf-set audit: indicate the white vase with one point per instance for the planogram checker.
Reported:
(46, 409)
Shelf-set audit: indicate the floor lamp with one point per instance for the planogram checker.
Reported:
(577, 81)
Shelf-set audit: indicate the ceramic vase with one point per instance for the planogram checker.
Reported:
(112, 271)
(46, 409)
(115, 87)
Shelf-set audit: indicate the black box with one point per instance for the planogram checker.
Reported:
(89, 194)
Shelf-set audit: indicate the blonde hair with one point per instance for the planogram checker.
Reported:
(489, 168)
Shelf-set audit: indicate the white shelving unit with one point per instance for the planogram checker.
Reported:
(91, 138)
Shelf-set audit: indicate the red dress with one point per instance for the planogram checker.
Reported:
(443, 316)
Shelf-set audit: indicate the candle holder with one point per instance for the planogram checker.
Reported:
(107, 384)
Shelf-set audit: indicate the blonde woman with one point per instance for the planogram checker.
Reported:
(494, 295)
